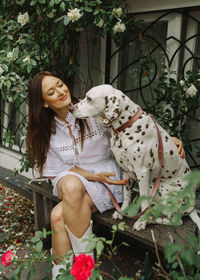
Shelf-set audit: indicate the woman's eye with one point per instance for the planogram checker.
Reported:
(51, 93)
(60, 85)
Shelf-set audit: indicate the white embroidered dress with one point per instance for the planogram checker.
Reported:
(96, 157)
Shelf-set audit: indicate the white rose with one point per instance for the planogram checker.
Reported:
(118, 12)
(100, 23)
(74, 14)
(10, 99)
(191, 91)
(119, 27)
(1, 70)
(23, 138)
(10, 55)
(26, 58)
(182, 83)
(23, 18)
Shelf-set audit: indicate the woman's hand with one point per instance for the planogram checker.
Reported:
(179, 145)
(104, 177)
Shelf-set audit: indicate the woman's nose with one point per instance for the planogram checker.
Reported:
(60, 91)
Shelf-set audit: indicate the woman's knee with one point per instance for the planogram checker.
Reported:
(71, 188)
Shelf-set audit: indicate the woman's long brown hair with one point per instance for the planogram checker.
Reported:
(41, 123)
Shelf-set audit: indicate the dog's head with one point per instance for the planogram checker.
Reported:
(101, 102)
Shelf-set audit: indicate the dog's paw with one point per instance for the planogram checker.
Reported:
(116, 215)
(139, 225)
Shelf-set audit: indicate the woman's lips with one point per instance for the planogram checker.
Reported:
(63, 98)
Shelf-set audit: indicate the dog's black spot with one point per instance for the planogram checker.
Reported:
(153, 160)
(171, 152)
(140, 117)
(134, 158)
(121, 161)
(126, 108)
(142, 142)
(169, 177)
(154, 179)
(166, 138)
(138, 141)
(129, 117)
(143, 133)
(123, 97)
(106, 100)
(179, 185)
(116, 110)
(139, 127)
(173, 172)
(147, 126)
(120, 122)
(127, 133)
(125, 149)
(114, 99)
(122, 117)
(138, 149)
(131, 138)
(120, 145)
(151, 153)
(167, 171)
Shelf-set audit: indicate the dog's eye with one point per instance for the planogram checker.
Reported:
(89, 99)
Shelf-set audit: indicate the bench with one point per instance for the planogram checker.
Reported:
(44, 201)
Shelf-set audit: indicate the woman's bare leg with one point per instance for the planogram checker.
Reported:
(60, 240)
(77, 204)
(75, 211)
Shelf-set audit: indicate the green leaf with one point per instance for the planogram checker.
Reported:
(87, 9)
(33, 2)
(34, 239)
(28, 68)
(66, 20)
(62, 6)
(42, 1)
(38, 10)
(8, 84)
(5, 67)
(96, 12)
(57, 1)
(51, 3)
(171, 250)
(38, 247)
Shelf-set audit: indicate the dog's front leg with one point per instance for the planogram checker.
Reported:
(143, 181)
(126, 197)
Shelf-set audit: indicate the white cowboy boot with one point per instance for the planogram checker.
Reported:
(78, 246)
(57, 267)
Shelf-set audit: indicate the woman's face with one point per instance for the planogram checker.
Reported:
(55, 93)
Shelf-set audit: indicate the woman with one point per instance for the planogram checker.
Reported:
(74, 154)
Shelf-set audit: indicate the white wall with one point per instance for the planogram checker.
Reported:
(10, 160)
(138, 6)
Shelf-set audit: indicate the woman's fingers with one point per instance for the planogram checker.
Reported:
(117, 182)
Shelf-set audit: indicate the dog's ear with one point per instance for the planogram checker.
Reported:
(112, 109)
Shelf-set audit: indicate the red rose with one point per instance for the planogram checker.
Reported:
(7, 258)
(1, 188)
(82, 267)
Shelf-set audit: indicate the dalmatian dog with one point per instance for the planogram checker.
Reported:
(136, 147)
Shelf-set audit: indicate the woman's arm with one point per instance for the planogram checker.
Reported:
(99, 177)
(179, 145)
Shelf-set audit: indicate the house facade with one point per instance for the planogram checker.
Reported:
(166, 40)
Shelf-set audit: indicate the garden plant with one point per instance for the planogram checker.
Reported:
(182, 261)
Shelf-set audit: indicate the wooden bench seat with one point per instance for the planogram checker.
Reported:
(44, 201)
